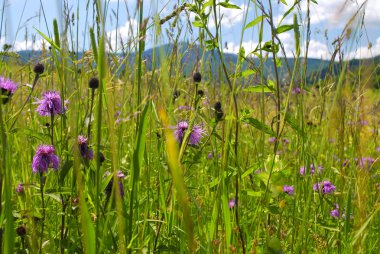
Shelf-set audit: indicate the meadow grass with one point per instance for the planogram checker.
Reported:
(248, 183)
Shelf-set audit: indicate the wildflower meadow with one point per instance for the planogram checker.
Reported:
(110, 146)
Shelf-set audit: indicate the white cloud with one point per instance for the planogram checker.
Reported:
(27, 44)
(230, 17)
(123, 33)
(317, 50)
(338, 12)
(248, 46)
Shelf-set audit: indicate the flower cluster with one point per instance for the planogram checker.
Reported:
(325, 187)
(312, 169)
(45, 158)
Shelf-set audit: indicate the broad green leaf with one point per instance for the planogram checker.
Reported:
(258, 125)
(255, 21)
(257, 89)
(228, 5)
(284, 28)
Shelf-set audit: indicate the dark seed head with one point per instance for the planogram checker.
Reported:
(102, 158)
(94, 83)
(176, 94)
(39, 68)
(21, 231)
(218, 111)
(197, 77)
(218, 105)
(200, 93)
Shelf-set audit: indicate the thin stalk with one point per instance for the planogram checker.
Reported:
(42, 184)
(36, 77)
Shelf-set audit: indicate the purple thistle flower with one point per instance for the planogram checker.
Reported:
(8, 88)
(378, 149)
(231, 203)
(45, 158)
(335, 213)
(288, 189)
(210, 155)
(271, 140)
(365, 162)
(286, 141)
(325, 187)
(20, 188)
(302, 170)
(50, 104)
(195, 135)
(85, 151)
(312, 169)
(296, 90)
(120, 175)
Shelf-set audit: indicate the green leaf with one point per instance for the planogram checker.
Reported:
(258, 125)
(292, 122)
(228, 5)
(284, 28)
(255, 21)
(48, 40)
(253, 193)
(246, 73)
(274, 245)
(257, 89)
(198, 24)
(270, 47)
(65, 169)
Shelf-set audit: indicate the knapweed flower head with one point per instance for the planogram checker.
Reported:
(231, 203)
(325, 187)
(20, 188)
(85, 151)
(296, 90)
(288, 189)
(50, 104)
(271, 140)
(44, 159)
(120, 175)
(365, 162)
(8, 88)
(335, 213)
(195, 136)
(302, 170)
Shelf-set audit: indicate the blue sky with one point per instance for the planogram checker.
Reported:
(328, 18)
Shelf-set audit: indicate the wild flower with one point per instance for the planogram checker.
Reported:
(335, 213)
(85, 151)
(296, 90)
(8, 88)
(365, 162)
(120, 175)
(231, 203)
(325, 187)
(20, 188)
(271, 140)
(45, 158)
(288, 189)
(195, 136)
(302, 170)
(50, 104)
